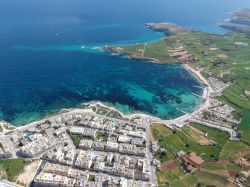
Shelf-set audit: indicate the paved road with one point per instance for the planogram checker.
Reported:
(150, 156)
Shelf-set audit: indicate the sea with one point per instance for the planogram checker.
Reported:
(51, 57)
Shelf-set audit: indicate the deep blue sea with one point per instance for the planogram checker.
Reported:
(50, 55)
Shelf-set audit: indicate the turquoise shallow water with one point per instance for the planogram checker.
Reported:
(50, 55)
(43, 86)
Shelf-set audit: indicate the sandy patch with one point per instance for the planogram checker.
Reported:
(213, 49)
(151, 137)
(28, 172)
(205, 142)
(222, 56)
(247, 93)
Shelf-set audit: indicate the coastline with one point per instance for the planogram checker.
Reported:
(196, 73)
(171, 123)
(151, 118)
(182, 118)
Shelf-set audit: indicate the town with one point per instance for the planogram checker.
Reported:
(81, 148)
(99, 146)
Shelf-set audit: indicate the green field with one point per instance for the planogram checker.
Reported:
(154, 51)
(12, 167)
(222, 53)
(247, 182)
(221, 167)
(187, 181)
(179, 140)
(232, 147)
(245, 126)
(169, 176)
(236, 96)
(233, 167)
(160, 131)
(211, 179)
(185, 139)
(212, 166)
(200, 179)
(216, 135)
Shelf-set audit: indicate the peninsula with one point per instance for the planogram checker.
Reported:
(240, 17)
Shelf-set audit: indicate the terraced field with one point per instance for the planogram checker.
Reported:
(216, 170)
(238, 96)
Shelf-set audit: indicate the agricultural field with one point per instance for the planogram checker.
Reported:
(200, 179)
(180, 140)
(245, 126)
(166, 177)
(218, 53)
(237, 95)
(216, 170)
(219, 137)
(187, 139)
(206, 178)
(215, 52)
(223, 168)
(186, 181)
(232, 147)
(160, 131)
(156, 51)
